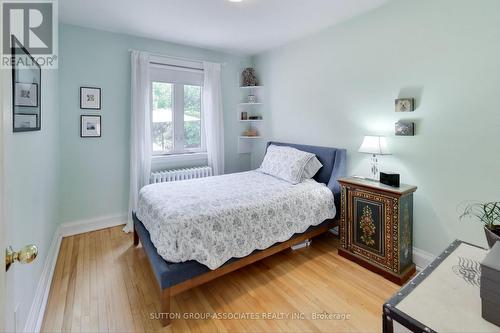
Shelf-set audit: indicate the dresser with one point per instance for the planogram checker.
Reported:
(376, 227)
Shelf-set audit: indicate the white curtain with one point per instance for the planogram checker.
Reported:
(140, 141)
(212, 113)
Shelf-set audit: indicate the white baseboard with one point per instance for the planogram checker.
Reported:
(80, 227)
(422, 258)
(37, 310)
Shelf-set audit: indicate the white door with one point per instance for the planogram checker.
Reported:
(16, 283)
(2, 233)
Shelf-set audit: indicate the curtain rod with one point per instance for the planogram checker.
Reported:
(173, 57)
(177, 66)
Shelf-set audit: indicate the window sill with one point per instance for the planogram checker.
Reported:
(178, 160)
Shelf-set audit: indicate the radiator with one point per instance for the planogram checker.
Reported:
(180, 174)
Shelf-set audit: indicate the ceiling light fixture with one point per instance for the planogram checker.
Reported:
(235, 0)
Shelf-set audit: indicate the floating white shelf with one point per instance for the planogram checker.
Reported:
(246, 109)
(251, 87)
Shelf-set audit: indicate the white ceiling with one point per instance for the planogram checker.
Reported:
(247, 27)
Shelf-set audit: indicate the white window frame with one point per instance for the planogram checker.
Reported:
(158, 63)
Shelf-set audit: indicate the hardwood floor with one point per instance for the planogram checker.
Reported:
(102, 283)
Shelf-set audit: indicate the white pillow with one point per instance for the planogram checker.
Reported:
(312, 168)
(286, 163)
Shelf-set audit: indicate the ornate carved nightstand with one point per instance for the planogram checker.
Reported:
(376, 227)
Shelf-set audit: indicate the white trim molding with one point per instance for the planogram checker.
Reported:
(422, 258)
(79, 227)
(37, 310)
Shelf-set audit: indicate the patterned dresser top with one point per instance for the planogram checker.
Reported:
(444, 297)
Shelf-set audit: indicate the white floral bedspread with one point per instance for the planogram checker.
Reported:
(214, 219)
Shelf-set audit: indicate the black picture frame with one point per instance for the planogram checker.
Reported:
(82, 106)
(85, 136)
(16, 49)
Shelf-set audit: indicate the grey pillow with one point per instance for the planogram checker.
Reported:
(312, 168)
(286, 163)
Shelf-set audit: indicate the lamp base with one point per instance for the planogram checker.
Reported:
(374, 167)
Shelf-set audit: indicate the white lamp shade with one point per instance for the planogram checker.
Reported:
(376, 145)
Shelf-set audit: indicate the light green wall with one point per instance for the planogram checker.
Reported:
(31, 176)
(95, 172)
(339, 85)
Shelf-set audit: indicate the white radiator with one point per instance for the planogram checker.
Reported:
(180, 174)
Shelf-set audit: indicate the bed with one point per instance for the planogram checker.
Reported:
(179, 263)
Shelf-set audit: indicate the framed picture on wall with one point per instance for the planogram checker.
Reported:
(405, 128)
(26, 94)
(90, 126)
(25, 121)
(90, 98)
(26, 90)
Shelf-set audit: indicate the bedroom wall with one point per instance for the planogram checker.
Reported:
(31, 193)
(95, 172)
(339, 85)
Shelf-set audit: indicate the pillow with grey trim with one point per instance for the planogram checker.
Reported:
(312, 168)
(286, 163)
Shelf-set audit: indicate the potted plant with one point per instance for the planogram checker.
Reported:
(487, 213)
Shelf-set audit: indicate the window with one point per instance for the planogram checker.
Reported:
(176, 103)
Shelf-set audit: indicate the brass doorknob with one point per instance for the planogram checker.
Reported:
(25, 256)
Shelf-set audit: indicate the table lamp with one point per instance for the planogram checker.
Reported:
(374, 145)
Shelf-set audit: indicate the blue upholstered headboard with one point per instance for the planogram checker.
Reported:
(334, 165)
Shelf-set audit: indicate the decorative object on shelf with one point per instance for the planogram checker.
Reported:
(252, 99)
(389, 178)
(490, 285)
(244, 116)
(405, 128)
(26, 85)
(376, 227)
(90, 98)
(251, 132)
(374, 145)
(90, 126)
(487, 213)
(249, 78)
(255, 117)
(405, 105)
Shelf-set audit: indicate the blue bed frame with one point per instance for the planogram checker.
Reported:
(174, 278)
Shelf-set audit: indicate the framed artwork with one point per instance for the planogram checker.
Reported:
(405, 105)
(25, 121)
(90, 98)
(26, 87)
(26, 94)
(90, 126)
(405, 128)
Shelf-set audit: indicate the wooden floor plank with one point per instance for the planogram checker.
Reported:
(102, 283)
